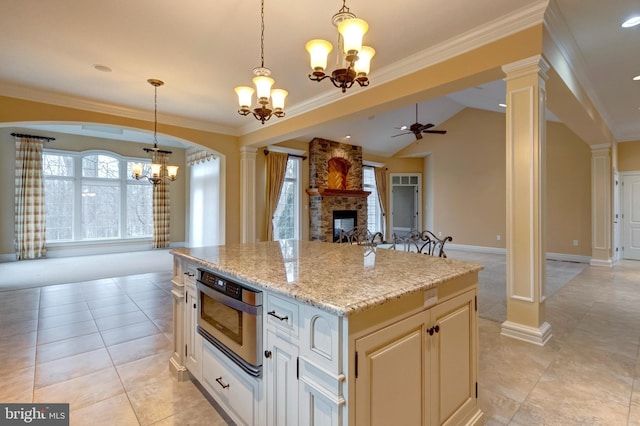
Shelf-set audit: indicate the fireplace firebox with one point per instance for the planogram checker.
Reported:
(343, 220)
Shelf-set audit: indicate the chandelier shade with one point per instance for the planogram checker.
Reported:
(319, 51)
(264, 92)
(354, 64)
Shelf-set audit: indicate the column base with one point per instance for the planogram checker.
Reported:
(538, 336)
(179, 372)
(599, 262)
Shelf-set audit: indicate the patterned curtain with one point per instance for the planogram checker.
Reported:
(161, 209)
(29, 200)
(381, 187)
(276, 169)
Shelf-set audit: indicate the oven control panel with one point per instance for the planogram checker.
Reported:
(220, 284)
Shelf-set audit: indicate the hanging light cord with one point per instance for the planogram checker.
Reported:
(155, 116)
(262, 34)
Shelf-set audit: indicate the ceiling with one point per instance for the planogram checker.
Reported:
(203, 49)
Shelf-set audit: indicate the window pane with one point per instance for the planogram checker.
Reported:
(374, 214)
(58, 201)
(284, 220)
(100, 166)
(57, 165)
(100, 211)
(139, 211)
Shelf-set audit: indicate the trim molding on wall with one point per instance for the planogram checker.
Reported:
(496, 250)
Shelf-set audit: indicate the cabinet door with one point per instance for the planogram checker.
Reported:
(390, 382)
(193, 341)
(453, 357)
(282, 380)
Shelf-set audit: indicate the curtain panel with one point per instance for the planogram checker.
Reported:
(161, 208)
(276, 170)
(30, 219)
(381, 187)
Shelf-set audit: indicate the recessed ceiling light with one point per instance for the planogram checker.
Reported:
(636, 78)
(502, 105)
(348, 137)
(631, 22)
(102, 68)
(404, 128)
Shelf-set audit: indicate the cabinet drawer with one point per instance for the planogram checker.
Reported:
(234, 390)
(190, 274)
(282, 314)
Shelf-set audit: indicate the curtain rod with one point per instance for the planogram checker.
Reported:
(22, 135)
(266, 152)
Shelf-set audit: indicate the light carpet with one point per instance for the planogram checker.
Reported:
(61, 270)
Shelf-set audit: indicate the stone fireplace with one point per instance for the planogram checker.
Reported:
(335, 186)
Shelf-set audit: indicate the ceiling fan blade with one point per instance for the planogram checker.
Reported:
(400, 134)
(426, 126)
(440, 132)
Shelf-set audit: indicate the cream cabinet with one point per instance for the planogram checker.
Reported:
(421, 370)
(193, 340)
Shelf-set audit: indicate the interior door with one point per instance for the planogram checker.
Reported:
(631, 216)
(405, 202)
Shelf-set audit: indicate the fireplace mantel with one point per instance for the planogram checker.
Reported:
(326, 192)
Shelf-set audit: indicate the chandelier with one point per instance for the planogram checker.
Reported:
(353, 60)
(263, 82)
(156, 168)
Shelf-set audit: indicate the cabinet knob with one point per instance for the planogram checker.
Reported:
(190, 274)
(435, 329)
(194, 306)
(267, 354)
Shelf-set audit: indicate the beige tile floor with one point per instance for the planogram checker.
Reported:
(103, 346)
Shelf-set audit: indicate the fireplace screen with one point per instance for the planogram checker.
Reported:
(344, 220)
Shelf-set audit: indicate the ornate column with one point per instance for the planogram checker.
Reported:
(601, 205)
(248, 194)
(526, 193)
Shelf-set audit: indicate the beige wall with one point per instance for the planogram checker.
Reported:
(629, 156)
(469, 183)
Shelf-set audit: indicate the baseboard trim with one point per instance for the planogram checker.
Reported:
(538, 336)
(496, 250)
(598, 262)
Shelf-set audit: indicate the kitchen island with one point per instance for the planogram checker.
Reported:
(351, 335)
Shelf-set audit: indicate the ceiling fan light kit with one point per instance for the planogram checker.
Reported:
(353, 60)
(418, 129)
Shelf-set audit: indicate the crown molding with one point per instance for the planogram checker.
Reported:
(495, 30)
(59, 99)
(557, 28)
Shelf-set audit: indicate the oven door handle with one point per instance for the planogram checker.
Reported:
(227, 300)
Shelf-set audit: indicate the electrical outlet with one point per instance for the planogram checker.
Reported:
(575, 243)
(498, 237)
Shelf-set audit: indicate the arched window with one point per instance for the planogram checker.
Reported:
(91, 196)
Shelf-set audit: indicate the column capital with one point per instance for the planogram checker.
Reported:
(248, 150)
(600, 148)
(534, 64)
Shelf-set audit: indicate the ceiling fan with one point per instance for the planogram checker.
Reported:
(418, 129)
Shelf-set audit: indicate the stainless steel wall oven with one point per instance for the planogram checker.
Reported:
(230, 318)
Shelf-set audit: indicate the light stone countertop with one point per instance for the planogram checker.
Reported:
(339, 278)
